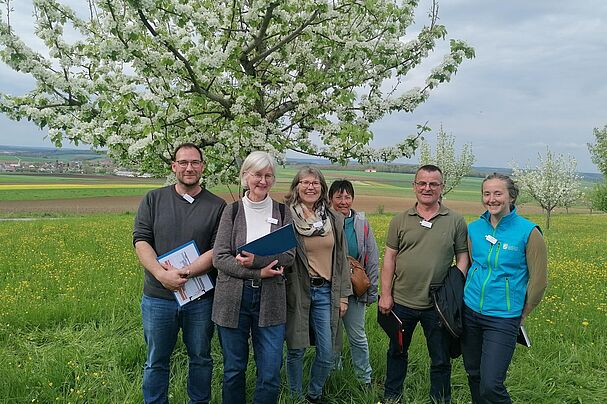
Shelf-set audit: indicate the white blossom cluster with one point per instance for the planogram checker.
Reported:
(231, 76)
(554, 182)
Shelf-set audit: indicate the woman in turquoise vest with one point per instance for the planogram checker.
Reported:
(506, 281)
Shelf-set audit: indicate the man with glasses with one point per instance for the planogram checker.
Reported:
(420, 247)
(167, 218)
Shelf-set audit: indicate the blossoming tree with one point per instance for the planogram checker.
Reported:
(139, 76)
(598, 152)
(554, 182)
(453, 169)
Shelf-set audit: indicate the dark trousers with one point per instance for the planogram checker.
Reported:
(487, 346)
(438, 349)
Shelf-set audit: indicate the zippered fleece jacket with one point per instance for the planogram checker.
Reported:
(498, 280)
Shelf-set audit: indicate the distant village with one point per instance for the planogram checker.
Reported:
(99, 167)
(51, 161)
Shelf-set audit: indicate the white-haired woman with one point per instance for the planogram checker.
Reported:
(250, 294)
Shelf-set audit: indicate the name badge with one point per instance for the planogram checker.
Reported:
(272, 220)
(490, 239)
(317, 225)
(426, 224)
(188, 198)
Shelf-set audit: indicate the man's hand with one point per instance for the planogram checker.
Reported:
(173, 278)
(385, 304)
(271, 270)
(246, 259)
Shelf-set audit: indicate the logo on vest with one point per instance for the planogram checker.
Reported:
(510, 247)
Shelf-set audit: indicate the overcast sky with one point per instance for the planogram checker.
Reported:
(538, 80)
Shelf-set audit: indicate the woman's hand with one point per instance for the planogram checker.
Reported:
(245, 259)
(343, 308)
(272, 270)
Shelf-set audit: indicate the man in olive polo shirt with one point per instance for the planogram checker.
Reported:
(420, 247)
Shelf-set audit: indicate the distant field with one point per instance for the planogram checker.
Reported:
(46, 187)
(375, 192)
(14, 187)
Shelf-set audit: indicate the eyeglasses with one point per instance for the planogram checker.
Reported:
(258, 177)
(307, 183)
(194, 163)
(423, 184)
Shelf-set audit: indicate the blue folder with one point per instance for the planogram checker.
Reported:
(276, 242)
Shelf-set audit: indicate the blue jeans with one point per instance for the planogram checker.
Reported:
(267, 349)
(162, 320)
(438, 348)
(320, 322)
(487, 346)
(354, 324)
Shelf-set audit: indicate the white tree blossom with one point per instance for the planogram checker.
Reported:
(453, 169)
(554, 182)
(232, 76)
(598, 150)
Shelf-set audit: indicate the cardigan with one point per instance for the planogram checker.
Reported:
(232, 234)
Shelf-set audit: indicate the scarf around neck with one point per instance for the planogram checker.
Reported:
(317, 224)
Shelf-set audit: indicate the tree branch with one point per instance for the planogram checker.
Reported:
(286, 39)
(196, 86)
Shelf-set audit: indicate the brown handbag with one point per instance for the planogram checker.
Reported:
(360, 280)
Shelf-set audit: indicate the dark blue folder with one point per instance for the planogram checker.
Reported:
(276, 242)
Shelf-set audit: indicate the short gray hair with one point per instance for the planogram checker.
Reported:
(256, 161)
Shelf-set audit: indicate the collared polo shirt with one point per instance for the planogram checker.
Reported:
(424, 254)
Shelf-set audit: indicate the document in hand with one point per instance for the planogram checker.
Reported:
(276, 242)
(195, 287)
(392, 326)
(523, 338)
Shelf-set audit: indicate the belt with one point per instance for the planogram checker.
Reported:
(318, 281)
(254, 283)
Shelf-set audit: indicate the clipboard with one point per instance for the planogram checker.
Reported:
(196, 286)
(392, 326)
(280, 240)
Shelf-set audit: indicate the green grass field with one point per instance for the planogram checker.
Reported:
(70, 323)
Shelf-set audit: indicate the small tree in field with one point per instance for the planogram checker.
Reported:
(453, 169)
(598, 197)
(139, 76)
(598, 150)
(554, 182)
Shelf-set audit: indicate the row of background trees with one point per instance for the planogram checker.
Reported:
(554, 182)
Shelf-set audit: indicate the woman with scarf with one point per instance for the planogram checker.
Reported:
(318, 282)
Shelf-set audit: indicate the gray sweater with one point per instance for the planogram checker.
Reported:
(230, 279)
(165, 220)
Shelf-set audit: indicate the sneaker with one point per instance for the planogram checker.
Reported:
(310, 399)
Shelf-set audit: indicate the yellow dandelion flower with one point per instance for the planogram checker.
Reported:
(585, 323)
